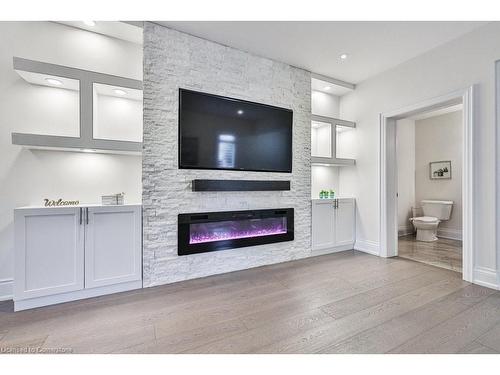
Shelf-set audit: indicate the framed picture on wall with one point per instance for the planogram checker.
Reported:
(440, 170)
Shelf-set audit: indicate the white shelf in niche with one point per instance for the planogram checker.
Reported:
(84, 82)
(117, 113)
(328, 132)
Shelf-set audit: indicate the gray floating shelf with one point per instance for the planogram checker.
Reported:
(86, 140)
(334, 162)
(61, 143)
(333, 120)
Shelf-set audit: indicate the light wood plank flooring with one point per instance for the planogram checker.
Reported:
(348, 302)
(442, 253)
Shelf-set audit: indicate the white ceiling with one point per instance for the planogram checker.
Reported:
(372, 47)
(129, 31)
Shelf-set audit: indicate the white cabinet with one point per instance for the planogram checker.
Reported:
(49, 252)
(323, 224)
(112, 237)
(344, 222)
(69, 253)
(333, 224)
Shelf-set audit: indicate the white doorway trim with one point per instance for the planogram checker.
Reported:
(388, 173)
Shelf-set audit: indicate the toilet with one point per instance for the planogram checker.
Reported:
(434, 212)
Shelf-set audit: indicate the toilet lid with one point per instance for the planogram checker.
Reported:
(426, 219)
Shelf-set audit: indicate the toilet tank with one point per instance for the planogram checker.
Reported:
(438, 209)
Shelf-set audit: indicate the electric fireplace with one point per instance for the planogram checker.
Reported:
(211, 231)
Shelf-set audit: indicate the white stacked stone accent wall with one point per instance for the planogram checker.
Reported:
(174, 60)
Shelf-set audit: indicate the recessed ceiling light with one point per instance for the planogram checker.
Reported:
(53, 81)
(240, 112)
(119, 92)
(327, 88)
(343, 56)
(88, 150)
(89, 23)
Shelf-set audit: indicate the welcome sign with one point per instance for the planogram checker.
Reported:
(59, 202)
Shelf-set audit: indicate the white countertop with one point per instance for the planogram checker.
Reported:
(80, 205)
(330, 199)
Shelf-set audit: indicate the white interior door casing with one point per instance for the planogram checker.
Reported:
(388, 175)
(51, 244)
(112, 245)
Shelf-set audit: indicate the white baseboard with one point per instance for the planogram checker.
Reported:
(31, 303)
(331, 250)
(405, 230)
(486, 277)
(367, 246)
(6, 289)
(452, 234)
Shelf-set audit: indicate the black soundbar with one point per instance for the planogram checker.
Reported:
(240, 185)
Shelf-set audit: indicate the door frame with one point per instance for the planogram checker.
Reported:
(388, 173)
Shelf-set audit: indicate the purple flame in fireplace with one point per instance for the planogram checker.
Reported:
(235, 229)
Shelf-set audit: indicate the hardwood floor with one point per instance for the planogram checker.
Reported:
(442, 253)
(347, 302)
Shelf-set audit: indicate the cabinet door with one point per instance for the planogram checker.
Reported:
(49, 246)
(344, 222)
(113, 245)
(323, 235)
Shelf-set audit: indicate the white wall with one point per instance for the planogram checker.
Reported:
(405, 154)
(324, 104)
(324, 178)
(440, 138)
(117, 118)
(456, 65)
(346, 142)
(26, 177)
(321, 140)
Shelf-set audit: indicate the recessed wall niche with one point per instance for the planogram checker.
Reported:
(117, 113)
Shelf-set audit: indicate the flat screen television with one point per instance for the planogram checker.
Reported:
(216, 132)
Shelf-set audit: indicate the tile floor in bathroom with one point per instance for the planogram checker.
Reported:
(442, 253)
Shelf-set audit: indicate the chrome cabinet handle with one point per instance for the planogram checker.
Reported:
(87, 209)
(80, 216)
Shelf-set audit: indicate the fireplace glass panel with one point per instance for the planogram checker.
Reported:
(235, 229)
